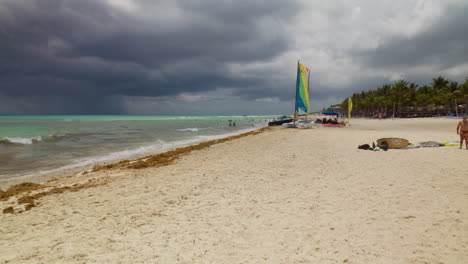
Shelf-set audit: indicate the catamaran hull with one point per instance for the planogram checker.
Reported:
(299, 125)
(290, 125)
(306, 126)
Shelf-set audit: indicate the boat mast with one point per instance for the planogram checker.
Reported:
(308, 94)
(295, 99)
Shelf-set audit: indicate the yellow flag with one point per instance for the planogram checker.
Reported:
(350, 107)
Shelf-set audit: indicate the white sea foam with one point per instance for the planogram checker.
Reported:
(31, 140)
(20, 140)
(58, 135)
(192, 129)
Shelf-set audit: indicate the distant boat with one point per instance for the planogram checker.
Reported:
(280, 120)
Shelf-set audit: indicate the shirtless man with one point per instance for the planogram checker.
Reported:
(462, 129)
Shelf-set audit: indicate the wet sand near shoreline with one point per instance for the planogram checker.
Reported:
(280, 196)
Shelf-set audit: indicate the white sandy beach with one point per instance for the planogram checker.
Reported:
(281, 196)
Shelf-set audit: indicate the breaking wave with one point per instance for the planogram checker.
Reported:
(31, 140)
(20, 140)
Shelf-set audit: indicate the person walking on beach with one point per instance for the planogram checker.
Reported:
(462, 129)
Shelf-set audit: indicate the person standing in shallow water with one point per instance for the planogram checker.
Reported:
(462, 129)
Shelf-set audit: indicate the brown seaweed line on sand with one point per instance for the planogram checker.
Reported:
(166, 158)
(158, 160)
(29, 199)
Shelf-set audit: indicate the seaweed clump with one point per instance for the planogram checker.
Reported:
(8, 210)
(30, 199)
(18, 189)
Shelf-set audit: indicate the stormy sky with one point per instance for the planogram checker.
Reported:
(218, 56)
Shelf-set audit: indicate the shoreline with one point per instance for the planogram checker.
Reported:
(40, 186)
(78, 167)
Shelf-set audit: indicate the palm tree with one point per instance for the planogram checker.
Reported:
(441, 92)
(458, 98)
(399, 88)
(410, 94)
(424, 96)
(439, 83)
(463, 88)
(453, 86)
(447, 98)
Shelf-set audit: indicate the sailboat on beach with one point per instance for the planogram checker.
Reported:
(302, 99)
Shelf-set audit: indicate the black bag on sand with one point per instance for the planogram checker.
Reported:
(364, 147)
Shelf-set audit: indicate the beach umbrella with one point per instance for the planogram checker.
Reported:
(330, 113)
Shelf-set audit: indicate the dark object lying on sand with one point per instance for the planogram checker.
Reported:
(384, 146)
(374, 148)
(280, 120)
(427, 144)
(364, 147)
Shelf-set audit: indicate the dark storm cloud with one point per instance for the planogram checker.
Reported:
(76, 49)
(117, 56)
(220, 30)
(443, 43)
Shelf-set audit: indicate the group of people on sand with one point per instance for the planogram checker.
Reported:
(462, 130)
(329, 121)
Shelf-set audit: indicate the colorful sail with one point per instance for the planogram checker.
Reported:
(350, 107)
(302, 89)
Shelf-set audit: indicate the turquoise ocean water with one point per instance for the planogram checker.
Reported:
(41, 144)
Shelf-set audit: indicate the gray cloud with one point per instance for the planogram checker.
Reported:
(103, 51)
(442, 44)
(104, 57)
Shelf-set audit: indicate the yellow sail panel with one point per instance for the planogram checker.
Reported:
(350, 107)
